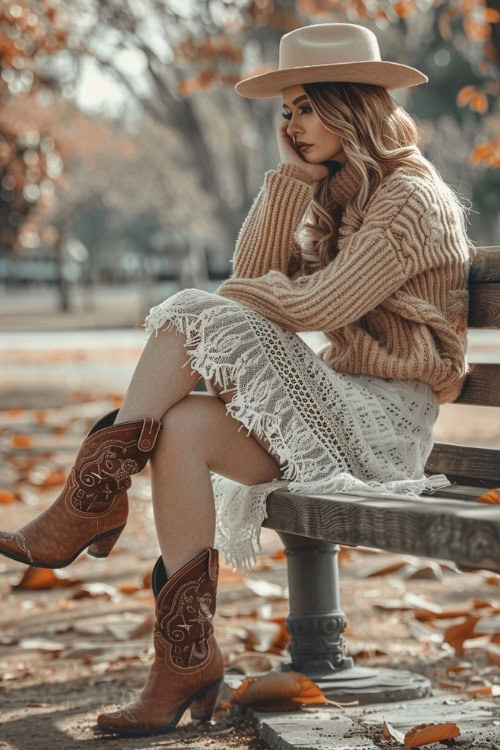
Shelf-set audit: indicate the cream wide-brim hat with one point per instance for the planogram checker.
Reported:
(329, 52)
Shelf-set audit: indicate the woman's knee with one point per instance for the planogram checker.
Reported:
(190, 417)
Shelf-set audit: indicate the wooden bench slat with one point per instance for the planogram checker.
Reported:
(434, 527)
(484, 305)
(482, 386)
(458, 492)
(465, 464)
(486, 264)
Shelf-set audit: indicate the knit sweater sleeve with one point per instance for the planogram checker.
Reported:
(376, 260)
(265, 241)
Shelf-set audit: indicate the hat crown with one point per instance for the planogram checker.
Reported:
(328, 43)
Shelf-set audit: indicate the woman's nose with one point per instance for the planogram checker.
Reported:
(292, 129)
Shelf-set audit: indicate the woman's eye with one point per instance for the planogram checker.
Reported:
(288, 115)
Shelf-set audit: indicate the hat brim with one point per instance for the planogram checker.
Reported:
(378, 73)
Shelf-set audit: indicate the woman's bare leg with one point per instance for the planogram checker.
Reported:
(216, 390)
(199, 437)
(159, 380)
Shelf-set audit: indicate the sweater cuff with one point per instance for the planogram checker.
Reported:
(296, 172)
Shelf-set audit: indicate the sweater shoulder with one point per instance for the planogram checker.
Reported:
(405, 182)
(429, 227)
(398, 195)
(425, 192)
(406, 196)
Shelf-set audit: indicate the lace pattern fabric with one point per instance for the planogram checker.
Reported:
(333, 432)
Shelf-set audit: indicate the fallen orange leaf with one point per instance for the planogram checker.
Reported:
(426, 734)
(54, 478)
(450, 685)
(13, 413)
(128, 589)
(7, 497)
(454, 668)
(484, 690)
(279, 555)
(284, 638)
(21, 441)
(493, 580)
(44, 578)
(59, 429)
(480, 604)
(492, 496)
(455, 635)
(278, 691)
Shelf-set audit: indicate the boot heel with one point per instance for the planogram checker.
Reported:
(103, 547)
(203, 708)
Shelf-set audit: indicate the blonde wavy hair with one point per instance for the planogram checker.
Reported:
(377, 136)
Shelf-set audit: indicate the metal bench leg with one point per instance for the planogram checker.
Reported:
(316, 623)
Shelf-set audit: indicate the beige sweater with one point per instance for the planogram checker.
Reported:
(393, 302)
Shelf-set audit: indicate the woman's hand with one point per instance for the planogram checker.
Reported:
(289, 155)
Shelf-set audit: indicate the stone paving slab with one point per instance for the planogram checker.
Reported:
(359, 728)
(312, 730)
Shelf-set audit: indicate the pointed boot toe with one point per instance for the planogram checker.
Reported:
(116, 722)
(91, 510)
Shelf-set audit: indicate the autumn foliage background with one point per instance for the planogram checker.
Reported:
(123, 146)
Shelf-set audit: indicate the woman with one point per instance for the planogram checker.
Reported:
(354, 235)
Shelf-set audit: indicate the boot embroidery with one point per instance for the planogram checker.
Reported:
(16, 536)
(125, 713)
(187, 626)
(104, 474)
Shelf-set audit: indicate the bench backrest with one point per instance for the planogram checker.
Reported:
(479, 467)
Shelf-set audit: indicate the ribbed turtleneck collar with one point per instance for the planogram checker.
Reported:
(344, 184)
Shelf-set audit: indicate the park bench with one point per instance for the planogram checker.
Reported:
(446, 525)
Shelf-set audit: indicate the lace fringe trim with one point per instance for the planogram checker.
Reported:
(210, 357)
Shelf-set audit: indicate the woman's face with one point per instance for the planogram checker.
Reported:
(306, 127)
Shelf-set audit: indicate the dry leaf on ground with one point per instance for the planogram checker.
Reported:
(492, 497)
(455, 635)
(278, 691)
(426, 734)
(390, 732)
(7, 497)
(421, 734)
(45, 578)
(21, 441)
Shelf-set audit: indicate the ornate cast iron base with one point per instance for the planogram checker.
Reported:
(316, 624)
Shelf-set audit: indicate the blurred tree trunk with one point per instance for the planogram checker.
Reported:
(170, 109)
(63, 292)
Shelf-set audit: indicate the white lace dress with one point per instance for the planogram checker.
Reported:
(333, 432)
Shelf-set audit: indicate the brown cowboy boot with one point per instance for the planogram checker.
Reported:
(189, 666)
(91, 511)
